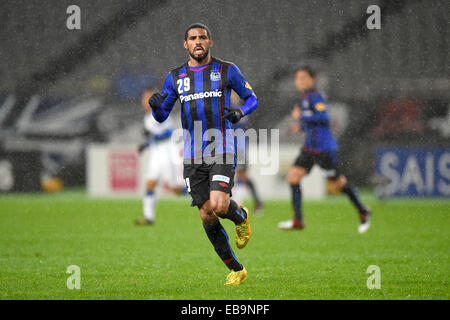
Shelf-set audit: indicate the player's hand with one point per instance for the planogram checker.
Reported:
(296, 112)
(156, 100)
(233, 115)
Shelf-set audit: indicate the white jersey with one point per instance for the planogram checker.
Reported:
(165, 161)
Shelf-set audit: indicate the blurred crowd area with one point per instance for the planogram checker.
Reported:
(62, 89)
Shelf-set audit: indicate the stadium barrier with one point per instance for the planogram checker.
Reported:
(20, 171)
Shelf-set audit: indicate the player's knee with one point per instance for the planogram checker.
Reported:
(219, 201)
(342, 181)
(294, 176)
(177, 190)
(290, 177)
(219, 205)
(241, 174)
(339, 182)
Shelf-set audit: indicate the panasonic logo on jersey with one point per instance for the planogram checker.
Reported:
(201, 95)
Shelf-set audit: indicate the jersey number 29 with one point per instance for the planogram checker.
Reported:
(183, 85)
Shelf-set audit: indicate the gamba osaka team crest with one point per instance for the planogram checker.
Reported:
(215, 76)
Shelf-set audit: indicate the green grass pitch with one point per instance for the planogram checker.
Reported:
(41, 235)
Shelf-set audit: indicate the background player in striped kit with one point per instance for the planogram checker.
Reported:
(203, 85)
(164, 160)
(319, 148)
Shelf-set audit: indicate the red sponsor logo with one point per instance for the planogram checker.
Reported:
(183, 75)
(223, 184)
(123, 171)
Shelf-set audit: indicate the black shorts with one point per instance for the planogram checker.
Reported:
(326, 160)
(200, 179)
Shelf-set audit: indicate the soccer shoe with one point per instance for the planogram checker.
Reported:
(243, 231)
(236, 277)
(291, 224)
(365, 221)
(143, 222)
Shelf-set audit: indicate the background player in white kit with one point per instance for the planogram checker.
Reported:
(164, 162)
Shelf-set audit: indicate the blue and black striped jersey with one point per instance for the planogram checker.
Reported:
(315, 122)
(203, 92)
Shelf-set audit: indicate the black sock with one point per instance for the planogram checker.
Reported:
(252, 188)
(219, 239)
(297, 201)
(234, 213)
(351, 192)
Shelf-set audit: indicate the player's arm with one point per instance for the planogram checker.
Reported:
(162, 104)
(238, 83)
(144, 145)
(147, 142)
(296, 114)
(318, 113)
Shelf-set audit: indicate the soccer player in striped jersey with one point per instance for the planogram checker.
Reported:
(319, 148)
(203, 85)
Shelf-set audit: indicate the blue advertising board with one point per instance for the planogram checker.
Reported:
(413, 172)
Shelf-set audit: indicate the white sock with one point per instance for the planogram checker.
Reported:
(149, 202)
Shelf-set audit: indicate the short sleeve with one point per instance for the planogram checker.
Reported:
(318, 103)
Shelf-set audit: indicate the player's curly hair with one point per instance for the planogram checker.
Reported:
(308, 69)
(197, 25)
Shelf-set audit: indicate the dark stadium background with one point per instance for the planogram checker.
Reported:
(86, 82)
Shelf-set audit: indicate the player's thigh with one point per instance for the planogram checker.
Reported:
(301, 167)
(328, 162)
(221, 183)
(221, 177)
(196, 178)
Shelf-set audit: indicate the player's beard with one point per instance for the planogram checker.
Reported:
(201, 57)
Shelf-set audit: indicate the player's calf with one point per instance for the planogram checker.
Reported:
(207, 214)
(240, 217)
(234, 213)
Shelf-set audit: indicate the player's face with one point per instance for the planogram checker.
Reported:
(198, 44)
(303, 81)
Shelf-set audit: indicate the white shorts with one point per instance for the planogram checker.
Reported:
(165, 163)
